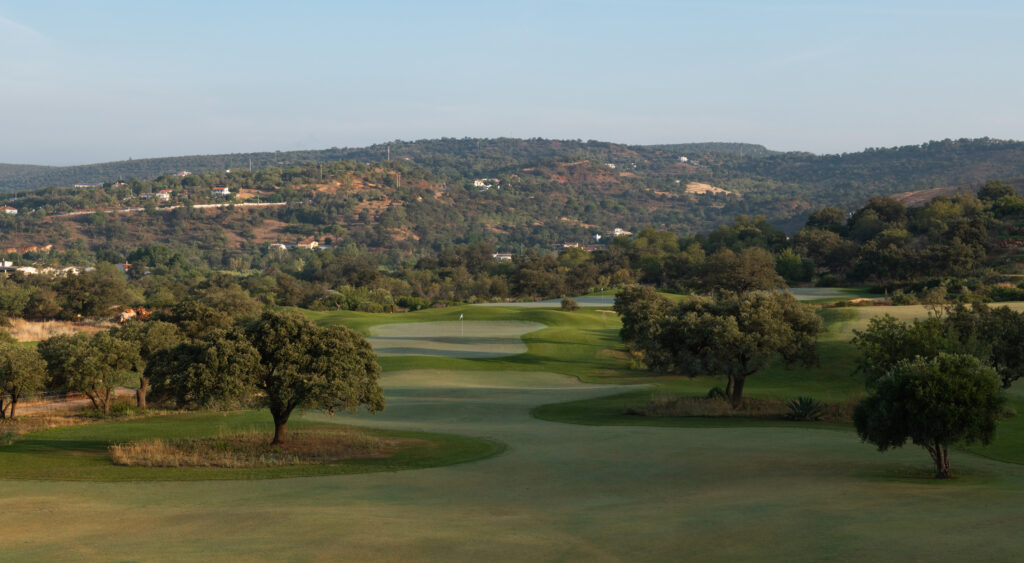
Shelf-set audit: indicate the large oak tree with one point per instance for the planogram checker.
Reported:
(303, 365)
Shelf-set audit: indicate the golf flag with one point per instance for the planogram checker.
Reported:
(460, 316)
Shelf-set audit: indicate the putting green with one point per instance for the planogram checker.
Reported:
(453, 339)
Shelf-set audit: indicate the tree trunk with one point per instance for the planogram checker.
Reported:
(140, 393)
(737, 391)
(940, 455)
(106, 403)
(3, 415)
(280, 420)
(14, 403)
(943, 466)
(728, 388)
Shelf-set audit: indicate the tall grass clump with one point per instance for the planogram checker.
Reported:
(252, 448)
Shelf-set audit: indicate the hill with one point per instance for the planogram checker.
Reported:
(454, 156)
(516, 193)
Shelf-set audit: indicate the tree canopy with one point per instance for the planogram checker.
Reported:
(933, 402)
(728, 334)
(303, 365)
(22, 372)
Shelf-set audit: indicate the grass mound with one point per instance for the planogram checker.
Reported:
(216, 446)
(250, 448)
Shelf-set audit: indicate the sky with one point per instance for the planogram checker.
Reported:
(84, 82)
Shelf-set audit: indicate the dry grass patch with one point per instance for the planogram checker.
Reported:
(34, 331)
(250, 449)
(701, 189)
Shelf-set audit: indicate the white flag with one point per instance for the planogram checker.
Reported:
(460, 316)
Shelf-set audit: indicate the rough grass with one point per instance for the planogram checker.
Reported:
(246, 449)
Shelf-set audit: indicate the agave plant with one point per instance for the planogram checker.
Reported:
(806, 409)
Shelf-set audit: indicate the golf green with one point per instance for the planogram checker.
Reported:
(454, 339)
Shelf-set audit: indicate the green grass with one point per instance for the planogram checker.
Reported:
(697, 491)
(79, 453)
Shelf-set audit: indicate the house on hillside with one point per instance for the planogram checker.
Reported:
(309, 244)
(502, 256)
(9, 210)
(183, 173)
(163, 195)
(277, 246)
(221, 191)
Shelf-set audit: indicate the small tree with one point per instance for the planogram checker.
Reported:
(95, 365)
(306, 366)
(933, 402)
(569, 304)
(22, 371)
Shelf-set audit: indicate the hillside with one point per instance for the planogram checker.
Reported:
(514, 193)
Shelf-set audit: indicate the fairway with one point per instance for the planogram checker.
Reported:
(558, 492)
(454, 339)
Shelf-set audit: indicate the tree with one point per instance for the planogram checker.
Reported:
(732, 335)
(995, 190)
(997, 333)
(306, 366)
(151, 337)
(22, 371)
(993, 335)
(95, 365)
(640, 308)
(750, 269)
(887, 341)
(196, 319)
(933, 402)
(92, 293)
(216, 371)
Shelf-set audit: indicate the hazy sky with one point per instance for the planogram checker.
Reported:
(108, 80)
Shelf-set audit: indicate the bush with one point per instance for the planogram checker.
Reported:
(1004, 293)
(898, 297)
(116, 410)
(123, 409)
(569, 304)
(717, 393)
(805, 409)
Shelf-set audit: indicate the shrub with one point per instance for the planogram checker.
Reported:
(122, 409)
(805, 409)
(717, 393)
(900, 298)
(569, 304)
